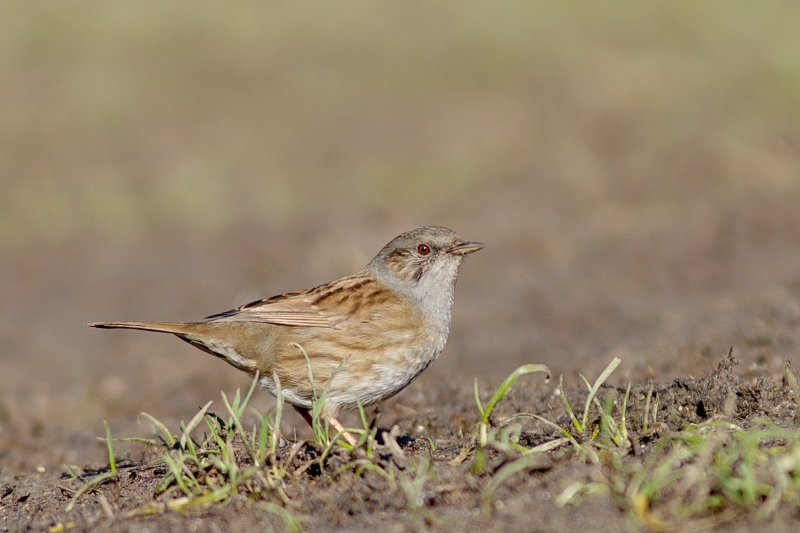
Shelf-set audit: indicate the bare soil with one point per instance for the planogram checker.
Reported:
(330, 497)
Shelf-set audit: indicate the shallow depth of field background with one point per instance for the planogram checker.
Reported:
(633, 168)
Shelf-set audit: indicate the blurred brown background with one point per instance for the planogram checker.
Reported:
(633, 168)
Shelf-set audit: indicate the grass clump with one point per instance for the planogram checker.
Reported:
(721, 469)
(606, 431)
(109, 476)
(717, 470)
(230, 461)
(485, 413)
(707, 473)
(597, 432)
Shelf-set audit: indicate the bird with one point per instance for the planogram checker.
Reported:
(361, 338)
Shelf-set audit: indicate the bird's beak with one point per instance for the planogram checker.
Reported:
(464, 248)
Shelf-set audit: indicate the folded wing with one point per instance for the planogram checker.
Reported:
(325, 306)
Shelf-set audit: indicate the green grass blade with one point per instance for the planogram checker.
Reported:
(623, 422)
(308, 365)
(655, 410)
(322, 433)
(249, 394)
(791, 380)
(479, 404)
(237, 424)
(236, 400)
(90, 485)
(176, 469)
(110, 445)
(575, 422)
(506, 385)
(362, 414)
(291, 522)
(194, 422)
(598, 382)
(647, 408)
(317, 403)
(170, 439)
(558, 428)
(276, 433)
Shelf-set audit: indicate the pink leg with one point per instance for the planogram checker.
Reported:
(306, 414)
(339, 427)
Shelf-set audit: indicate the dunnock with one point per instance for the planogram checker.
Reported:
(370, 334)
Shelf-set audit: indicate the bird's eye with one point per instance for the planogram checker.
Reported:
(423, 249)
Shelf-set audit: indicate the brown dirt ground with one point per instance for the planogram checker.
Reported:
(330, 498)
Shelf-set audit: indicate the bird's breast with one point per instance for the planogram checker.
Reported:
(366, 363)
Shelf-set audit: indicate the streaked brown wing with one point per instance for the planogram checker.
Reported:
(321, 307)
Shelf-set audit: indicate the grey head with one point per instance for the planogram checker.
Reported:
(422, 264)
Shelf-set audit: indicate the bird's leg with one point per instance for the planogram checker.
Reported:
(306, 414)
(339, 427)
(376, 414)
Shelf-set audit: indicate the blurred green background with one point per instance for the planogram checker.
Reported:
(633, 167)
(118, 118)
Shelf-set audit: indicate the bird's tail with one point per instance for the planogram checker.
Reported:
(216, 338)
(164, 327)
